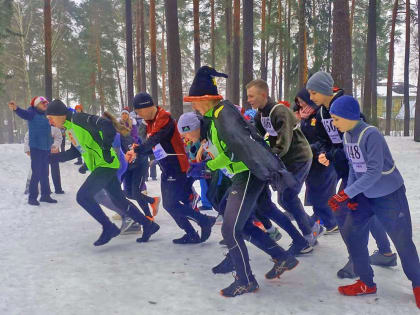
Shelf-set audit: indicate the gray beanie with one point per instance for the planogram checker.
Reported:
(321, 82)
(188, 122)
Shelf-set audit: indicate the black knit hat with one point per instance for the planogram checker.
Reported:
(304, 95)
(56, 108)
(142, 100)
(204, 84)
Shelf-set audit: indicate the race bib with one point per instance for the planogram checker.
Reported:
(211, 149)
(355, 155)
(74, 141)
(226, 173)
(159, 152)
(332, 131)
(266, 123)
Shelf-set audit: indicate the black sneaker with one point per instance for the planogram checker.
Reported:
(206, 228)
(240, 287)
(225, 266)
(188, 239)
(148, 230)
(205, 208)
(107, 234)
(33, 202)
(379, 259)
(347, 271)
(280, 266)
(47, 199)
(299, 249)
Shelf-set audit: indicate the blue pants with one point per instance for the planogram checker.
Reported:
(175, 200)
(266, 208)
(40, 163)
(290, 201)
(394, 214)
(203, 185)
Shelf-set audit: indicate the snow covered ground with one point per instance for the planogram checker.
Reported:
(48, 264)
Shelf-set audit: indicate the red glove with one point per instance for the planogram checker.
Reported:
(338, 200)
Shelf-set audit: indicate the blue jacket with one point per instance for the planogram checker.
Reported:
(379, 176)
(39, 128)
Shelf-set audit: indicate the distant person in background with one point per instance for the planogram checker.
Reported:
(129, 123)
(40, 142)
(79, 109)
(142, 130)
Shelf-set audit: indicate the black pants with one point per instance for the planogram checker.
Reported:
(106, 178)
(175, 200)
(55, 174)
(133, 180)
(40, 172)
(241, 202)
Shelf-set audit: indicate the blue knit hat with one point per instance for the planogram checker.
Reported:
(204, 85)
(142, 100)
(346, 107)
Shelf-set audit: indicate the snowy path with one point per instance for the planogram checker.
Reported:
(48, 264)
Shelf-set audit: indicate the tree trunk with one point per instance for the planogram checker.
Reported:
(407, 71)
(138, 50)
(236, 55)
(213, 57)
(153, 63)
(329, 39)
(117, 71)
(287, 75)
(48, 56)
(390, 81)
(142, 49)
(228, 17)
(263, 67)
(273, 70)
(417, 113)
(248, 48)
(301, 45)
(197, 53)
(129, 52)
(163, 66)
(341, 47)
(174, 59)
(353, 6)
(280, 49)
(99, 63)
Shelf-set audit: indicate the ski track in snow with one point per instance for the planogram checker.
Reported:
(49, 265)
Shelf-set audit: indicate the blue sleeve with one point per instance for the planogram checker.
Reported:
(25, 114)
(374, 158)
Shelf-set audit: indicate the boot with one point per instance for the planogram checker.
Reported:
(107, 234)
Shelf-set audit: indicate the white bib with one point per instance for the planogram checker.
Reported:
(159, 152)
(332, 131)
(74, 141)
(268, 126)
(211, 150)
(355, 155)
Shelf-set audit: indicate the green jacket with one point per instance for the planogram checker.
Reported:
(92, 137)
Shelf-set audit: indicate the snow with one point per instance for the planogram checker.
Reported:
(49, 265)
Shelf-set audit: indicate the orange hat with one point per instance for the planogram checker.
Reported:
(79, 106)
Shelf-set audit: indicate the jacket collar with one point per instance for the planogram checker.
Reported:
(267, 108)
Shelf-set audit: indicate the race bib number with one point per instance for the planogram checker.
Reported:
(266, 123)
(159, 152)
(332, 131)
(356, 157)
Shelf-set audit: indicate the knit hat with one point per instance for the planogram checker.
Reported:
(79, 106)
(304, 95)
(321, 82)
(56, 108)
(346, 107)
(38, 99)
(204, 86)
(142, 100)
(188, 122)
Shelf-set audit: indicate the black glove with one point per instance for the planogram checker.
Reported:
(107, 156)
(83, 169)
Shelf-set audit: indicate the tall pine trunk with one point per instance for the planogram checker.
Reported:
(263, 67)
(48, 56)
(390, 80)
(129, 52)
(228, 17)
(212, 26)
(301, 44)
(287, 76)
(280, 50)
(142, 49)
(174, 59)
(153, 63)
(138, 49)
(236, 55)
(341, 47)
(329, 39)
(197, 53)
(248, 48)
(163, 64)
(407, 70)
(417, 113)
